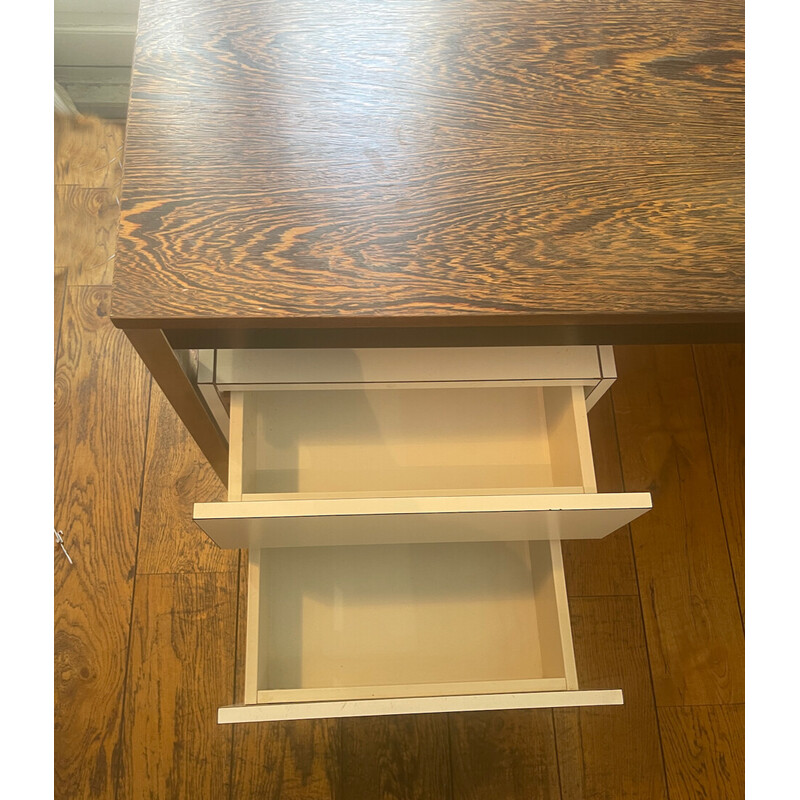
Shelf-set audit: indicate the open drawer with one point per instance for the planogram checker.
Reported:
(314, 467)
(404, 531)
(404, 629)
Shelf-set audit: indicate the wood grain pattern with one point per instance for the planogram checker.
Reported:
(450, 161)
(59, 293)
(286, 760)
(88, 152)
(504, 754)
(180, 671)
(241, 626)
(101, 402)
(704, 751)
(402, 758)
(85, 235)
(694, 630)
(101, 390)
(602, 566)
(611, 752)
(720, 374)
(176, 476)
(166, 369)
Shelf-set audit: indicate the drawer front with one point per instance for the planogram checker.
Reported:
(386, 466)
(418, 705)
(244, 370)
(380, 520)
(223, 371)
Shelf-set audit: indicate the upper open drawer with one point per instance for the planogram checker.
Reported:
(380, 464)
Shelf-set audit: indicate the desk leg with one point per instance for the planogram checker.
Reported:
(152, 345)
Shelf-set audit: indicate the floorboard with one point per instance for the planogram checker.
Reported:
(101, 395)
(691, 614)
(85, 235)
(180, 671)
(504, 754)
(59, 293)
(704, 751)
(297, 760)
(610, 751)
(720, 373)
(402, 758)
(177, 476)
(88, 152)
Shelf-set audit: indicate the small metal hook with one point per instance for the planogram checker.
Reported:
(60, 539)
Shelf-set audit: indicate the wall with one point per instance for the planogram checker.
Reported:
(94, 52)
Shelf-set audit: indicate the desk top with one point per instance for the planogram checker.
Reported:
(291, 163)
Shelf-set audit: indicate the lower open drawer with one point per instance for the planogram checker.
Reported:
(408, 628)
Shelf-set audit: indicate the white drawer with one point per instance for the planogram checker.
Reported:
(404, 629)
(404, 531)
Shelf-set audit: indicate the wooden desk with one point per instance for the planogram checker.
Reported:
(429, 173)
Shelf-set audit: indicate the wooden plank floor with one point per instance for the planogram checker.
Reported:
(148, 623)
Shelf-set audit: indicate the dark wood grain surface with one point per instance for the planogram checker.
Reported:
(296, 760)
(395, 758)
(100, 415)
(163, 363)
(180, 666)
(720, 374)
(608, 751)
(694, 629)
(704, 751)
(504, 754)
(452, 161)
(175, 477)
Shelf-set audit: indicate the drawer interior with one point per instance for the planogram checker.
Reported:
(410, 620)
(410, 440)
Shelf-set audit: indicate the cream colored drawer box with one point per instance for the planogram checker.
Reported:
(403, 512)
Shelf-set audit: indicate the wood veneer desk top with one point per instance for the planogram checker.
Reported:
(292, 164)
